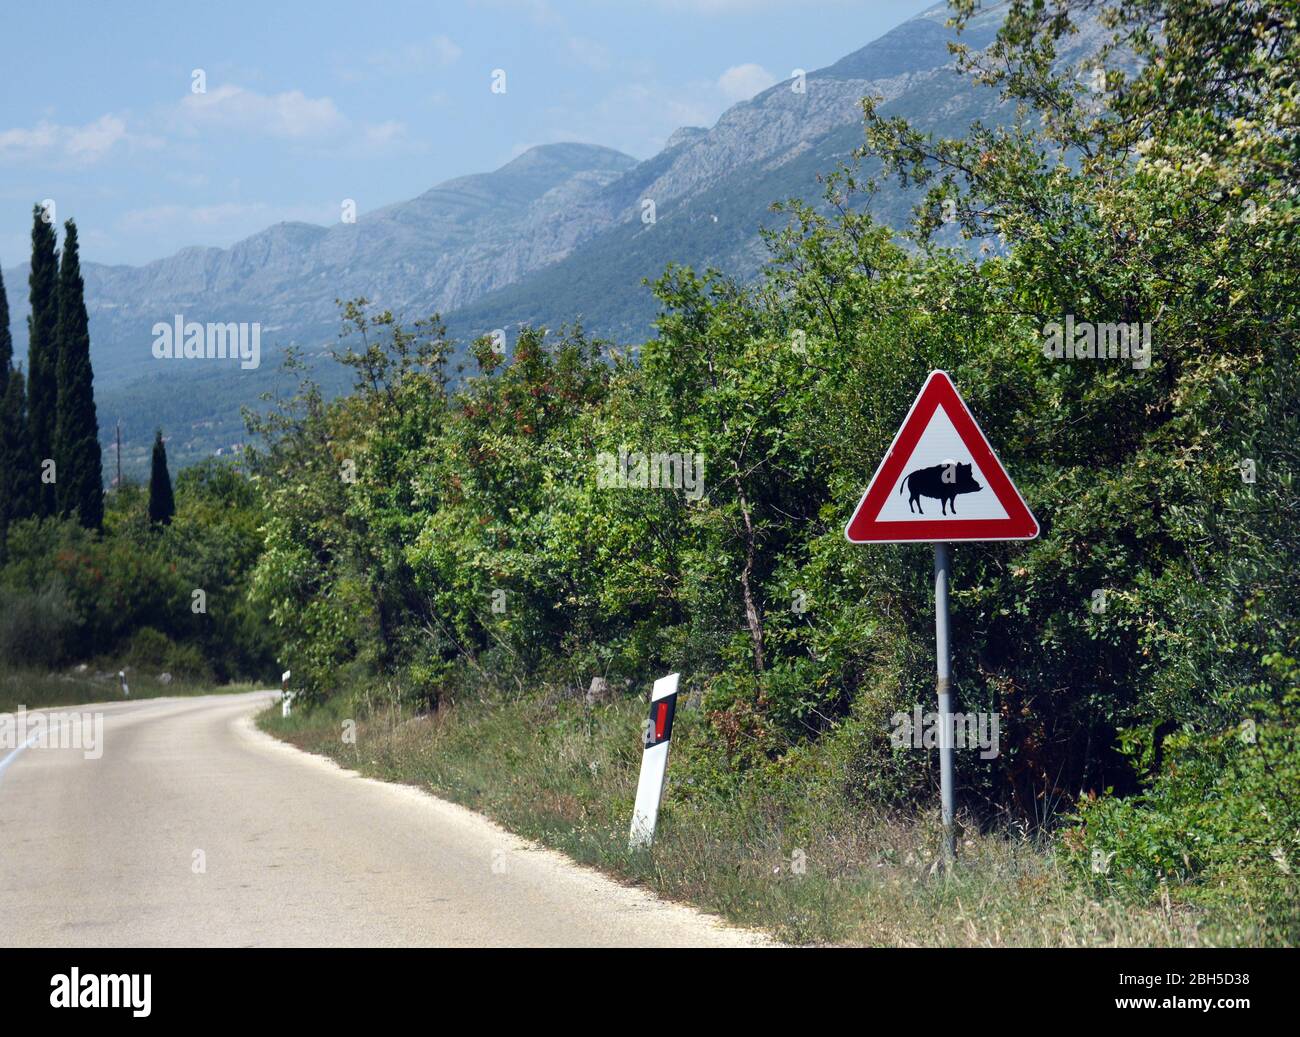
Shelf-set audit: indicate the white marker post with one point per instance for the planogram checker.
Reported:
(121, 679)
(286, 696)
(654, 761)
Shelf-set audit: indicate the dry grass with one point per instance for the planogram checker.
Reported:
(806, 869)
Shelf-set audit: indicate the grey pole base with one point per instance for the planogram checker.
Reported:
(943, 657)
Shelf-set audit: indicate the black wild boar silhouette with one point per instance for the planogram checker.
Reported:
(942, 482)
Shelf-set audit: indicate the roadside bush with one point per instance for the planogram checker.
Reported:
(1119, 651)
(149, 649)
(37, 627)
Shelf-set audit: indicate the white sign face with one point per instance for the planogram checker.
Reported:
(941, 447)
(654, 762)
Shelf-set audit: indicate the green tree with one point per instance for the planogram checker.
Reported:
(6, 339)
(162, 504)
(1155, 186)
(43, 349)
(80, 482)
(1159, 192)
(18, 481)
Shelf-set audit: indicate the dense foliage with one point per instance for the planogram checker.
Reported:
(162, 502)
(126, 596)
(1141, 655)
(43, 348)
(159, 582)
(50, 460)
(80, 485)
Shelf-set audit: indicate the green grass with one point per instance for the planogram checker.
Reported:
(36, 689)
(565, 776)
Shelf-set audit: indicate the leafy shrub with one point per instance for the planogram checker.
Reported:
(149, 649)
(37, 627)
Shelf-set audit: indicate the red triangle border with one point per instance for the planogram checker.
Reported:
(939, 391)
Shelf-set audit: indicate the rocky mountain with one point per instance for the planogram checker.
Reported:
(554, 236)
(435, 252)
(713, 189)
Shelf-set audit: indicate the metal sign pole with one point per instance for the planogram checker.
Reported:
(943, 655)
(921, 460)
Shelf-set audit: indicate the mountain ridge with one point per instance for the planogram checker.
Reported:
(553, 235)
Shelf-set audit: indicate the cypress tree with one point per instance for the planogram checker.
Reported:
(19, 484)
(6, 338)
(162, 505)
(43, 351)
(76, 437)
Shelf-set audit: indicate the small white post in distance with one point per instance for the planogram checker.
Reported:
(286, 696)
(121, 678)
(654, 761)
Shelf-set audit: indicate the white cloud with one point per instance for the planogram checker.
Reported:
(385, 134)
(96, 139)
(229, 220)
(76, 145)
(741, 82)
(636, 118)
(437, 51)
(290, 115)
(592, 53)
(443, 49)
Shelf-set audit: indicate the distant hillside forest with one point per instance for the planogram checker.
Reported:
(421, 540)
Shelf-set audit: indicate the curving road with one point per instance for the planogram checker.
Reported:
(195, 829)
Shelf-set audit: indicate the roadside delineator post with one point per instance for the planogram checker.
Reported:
(940, 454)
(654, 761)
(121, 679)
(286, 696)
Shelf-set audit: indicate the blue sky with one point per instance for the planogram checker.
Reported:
(309, 103)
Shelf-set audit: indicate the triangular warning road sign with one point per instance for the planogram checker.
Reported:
(940, 480)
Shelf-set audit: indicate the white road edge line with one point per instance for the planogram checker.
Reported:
(13, 754)
(33, 737)
(55, 724)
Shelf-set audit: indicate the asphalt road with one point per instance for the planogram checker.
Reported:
(193, 828)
